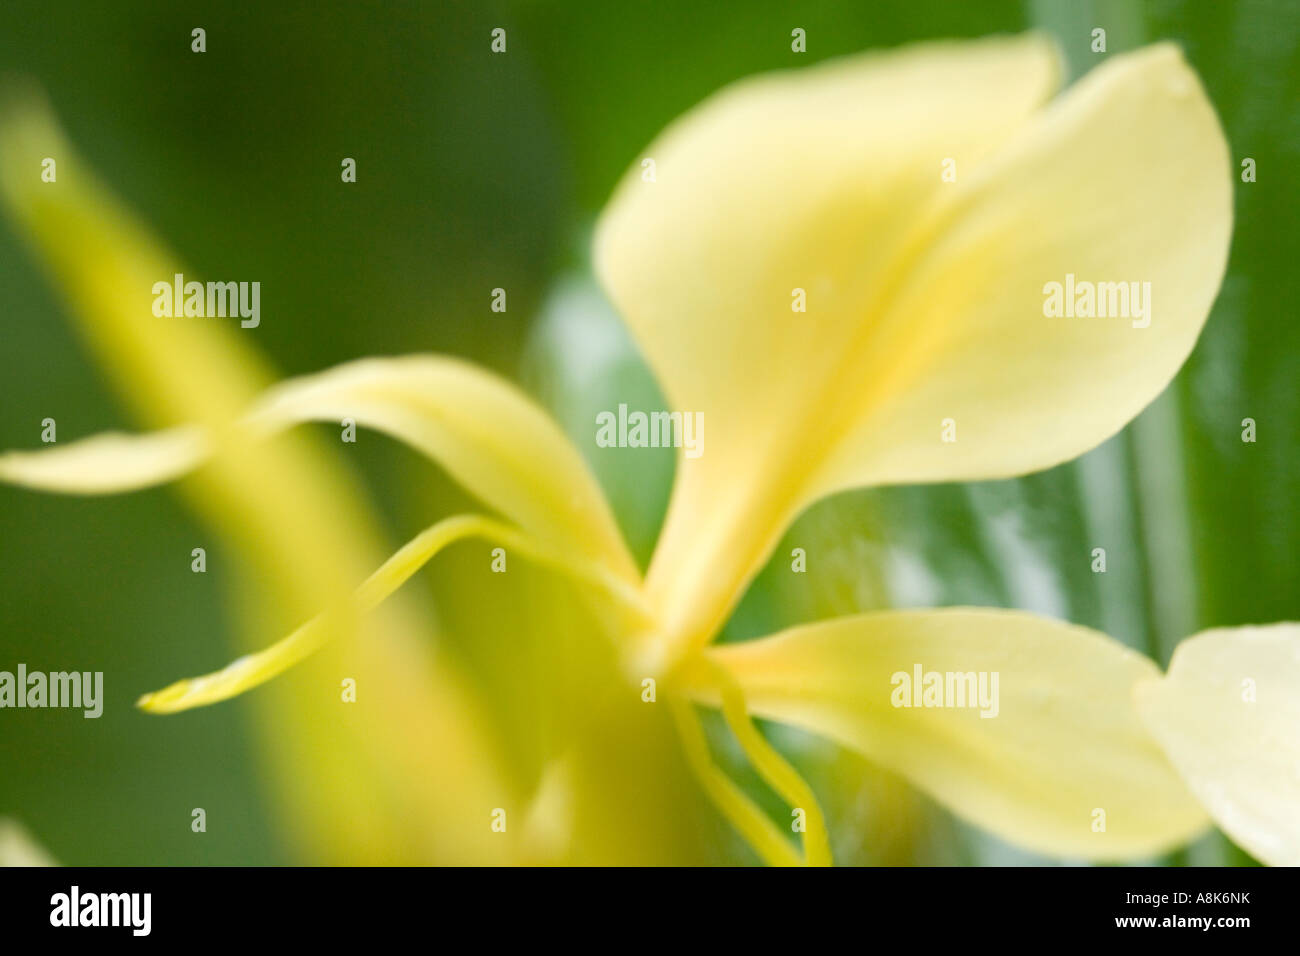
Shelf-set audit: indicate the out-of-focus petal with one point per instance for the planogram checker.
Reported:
(107, 464)
(19, 848)
(1228, 717)
(498, 444)
(494, 440)
(409, 773)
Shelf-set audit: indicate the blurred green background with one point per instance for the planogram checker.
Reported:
(478, 171)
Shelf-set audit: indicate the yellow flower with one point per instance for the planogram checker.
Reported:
(918, 205)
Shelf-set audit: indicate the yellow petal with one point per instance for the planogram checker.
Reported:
(484, 431)
(19, 848)
(924, 297)
(1124, 179)
(1062, 752)
(493, 439)
(1228, 716)
(107, 464)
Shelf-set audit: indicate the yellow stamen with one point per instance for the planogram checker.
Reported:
(775, 770)
(254, 669)
(752, 824)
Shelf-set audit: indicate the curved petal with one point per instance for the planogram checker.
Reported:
(485, 432)
(1124, 179)
(925, 298)
(1061, 752)
(110, 463)
(491, 437)
(1228, 716)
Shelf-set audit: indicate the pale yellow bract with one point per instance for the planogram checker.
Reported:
(924, 304)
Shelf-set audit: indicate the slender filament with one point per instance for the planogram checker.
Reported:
(254, 669)
(750, 822)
